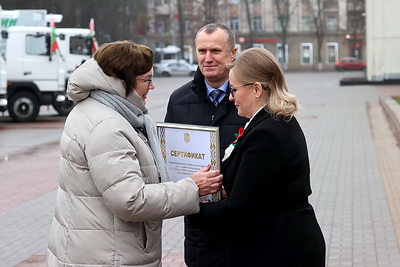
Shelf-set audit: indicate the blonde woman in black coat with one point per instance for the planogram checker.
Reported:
(266, 173)
(208, 245)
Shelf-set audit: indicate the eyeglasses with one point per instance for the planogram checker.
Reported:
(148, 80)
(233, 88)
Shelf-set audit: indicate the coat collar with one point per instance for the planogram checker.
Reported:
(199, 87)
(258, 118)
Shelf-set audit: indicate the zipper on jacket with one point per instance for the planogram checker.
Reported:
(116, 260)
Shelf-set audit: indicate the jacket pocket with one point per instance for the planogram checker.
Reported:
(152, 234)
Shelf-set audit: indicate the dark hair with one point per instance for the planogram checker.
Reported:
(212, 27)
(124, 60)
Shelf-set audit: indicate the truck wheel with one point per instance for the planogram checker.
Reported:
(23, 107)
(64, 108)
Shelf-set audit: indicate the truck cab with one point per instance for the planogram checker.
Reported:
(75, 47)
(38, 77)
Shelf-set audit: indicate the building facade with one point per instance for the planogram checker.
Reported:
(304, 35)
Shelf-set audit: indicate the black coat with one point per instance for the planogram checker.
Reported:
(205, 245)
(267, 179)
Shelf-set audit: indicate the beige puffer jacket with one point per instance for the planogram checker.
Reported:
(110, 204)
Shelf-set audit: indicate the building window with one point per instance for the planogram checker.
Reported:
(306, 54)
(161, 27)
(163, 2)
(187, 25)
(332, 52)
(234, 1)
(257, 24)
(331, 23)
(280, 53)
(306, 23)
(278, 26)
(234, 24)
(258, 45)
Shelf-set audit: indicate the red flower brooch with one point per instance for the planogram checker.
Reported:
(238, 135)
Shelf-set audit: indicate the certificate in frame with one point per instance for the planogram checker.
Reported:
(187, 148)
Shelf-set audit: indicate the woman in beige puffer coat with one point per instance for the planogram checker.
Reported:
(110, 202)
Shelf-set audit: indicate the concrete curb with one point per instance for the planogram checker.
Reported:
(392, 112)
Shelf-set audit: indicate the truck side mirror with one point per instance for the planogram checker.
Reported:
(4, 34)
(48, 41)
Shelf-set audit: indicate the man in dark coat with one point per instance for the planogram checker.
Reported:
(205, 101)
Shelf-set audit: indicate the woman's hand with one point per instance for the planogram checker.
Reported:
(224, 194)
(209, 182)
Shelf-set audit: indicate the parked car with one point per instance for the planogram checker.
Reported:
(173, 67)
(350, 63)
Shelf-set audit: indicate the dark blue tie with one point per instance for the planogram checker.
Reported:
(215, 94)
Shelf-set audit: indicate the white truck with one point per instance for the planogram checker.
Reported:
(3, 84)
(36, 76)
(5, 22)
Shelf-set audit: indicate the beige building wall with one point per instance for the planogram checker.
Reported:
(383, 38)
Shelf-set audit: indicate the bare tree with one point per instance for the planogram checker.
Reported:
(283, 16)
(121, 25)
(210, 9)
(249, 20)
(315, 8)
(181, 28)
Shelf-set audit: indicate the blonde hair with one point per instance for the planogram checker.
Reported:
(259, 65)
